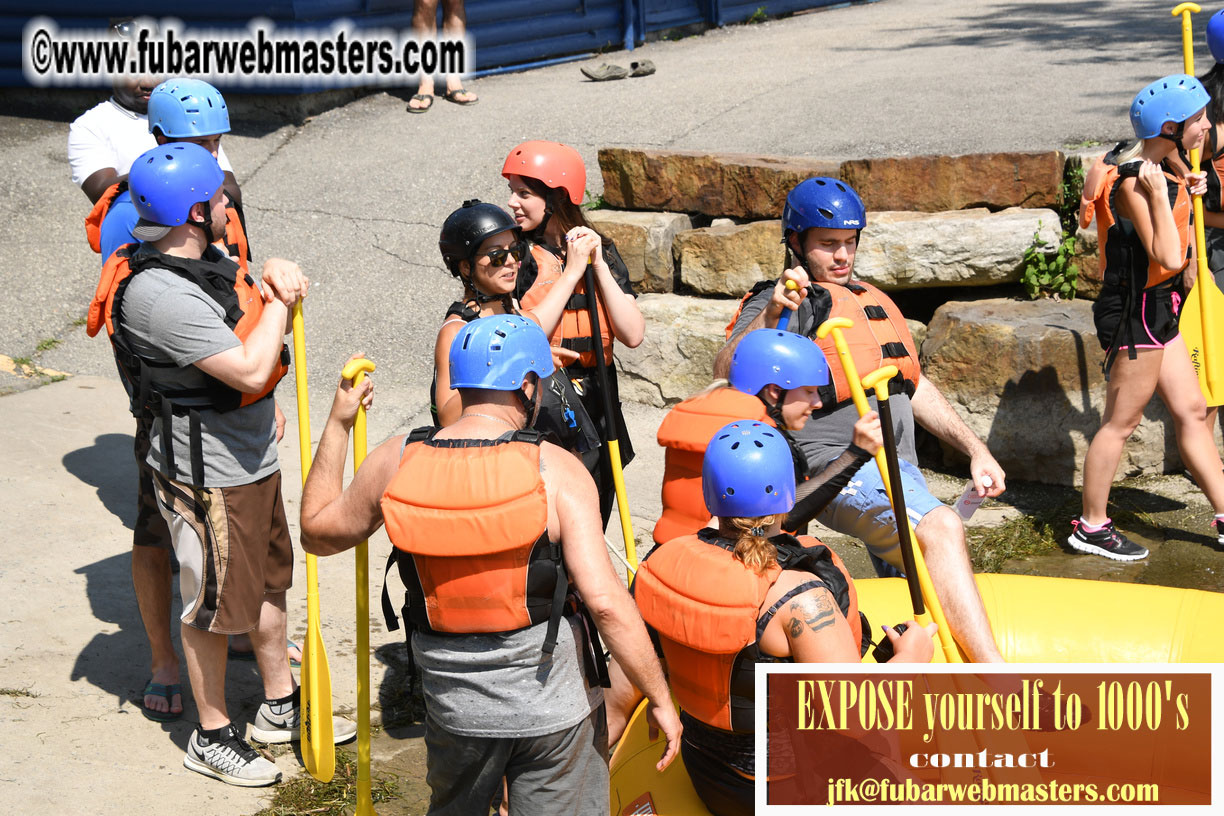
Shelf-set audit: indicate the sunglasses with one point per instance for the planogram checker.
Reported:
(497, 257)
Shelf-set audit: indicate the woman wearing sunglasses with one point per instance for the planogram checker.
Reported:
(547, 183)
(481, 247)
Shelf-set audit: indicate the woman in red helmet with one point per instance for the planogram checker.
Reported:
(547, 182)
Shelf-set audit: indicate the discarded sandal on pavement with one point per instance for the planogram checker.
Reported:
(166, 692)
(641, 69)
(604, 72)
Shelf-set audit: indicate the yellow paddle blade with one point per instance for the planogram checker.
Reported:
(1200, 314)
(318, 739)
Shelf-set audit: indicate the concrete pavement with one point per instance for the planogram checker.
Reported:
(356, 195)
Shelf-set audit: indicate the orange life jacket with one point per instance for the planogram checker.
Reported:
(574, 330)
(1124, 262)
(684, 434)
(235, 233)
(470, 521)
(704, 606)
(879, 336)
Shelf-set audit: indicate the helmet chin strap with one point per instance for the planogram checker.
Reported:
(774, 412)
(205, 226)
(530, 406)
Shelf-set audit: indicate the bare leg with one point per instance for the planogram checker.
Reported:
(942, 538)
(454, 21)
(1179, 388)
(151, 579)
(205, 654)
(269, 641)
(424, 26)
(1130, 389)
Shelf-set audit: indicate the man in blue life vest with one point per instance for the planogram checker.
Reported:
(822, 223)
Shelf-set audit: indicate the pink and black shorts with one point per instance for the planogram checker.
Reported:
(1146, 319)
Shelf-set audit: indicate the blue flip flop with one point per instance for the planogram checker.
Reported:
(167, 692)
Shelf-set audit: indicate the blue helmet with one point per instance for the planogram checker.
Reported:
(748, 471)
(498, 352)
(183, 108)
(167, 180)
(1215, 35)
(823, 202)
(774, 357)
(1173, 99)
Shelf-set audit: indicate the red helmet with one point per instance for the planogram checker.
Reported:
(553, 163)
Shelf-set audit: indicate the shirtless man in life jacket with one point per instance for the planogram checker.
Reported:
(822, 221)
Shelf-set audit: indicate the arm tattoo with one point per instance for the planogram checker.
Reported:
(816, 612)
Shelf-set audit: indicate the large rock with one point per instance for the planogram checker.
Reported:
(937, 183)
(727, 259)
(1026, 377)
(908, 250)
(676, 359)
(644, 240)
(1088, 258)
(741, 186)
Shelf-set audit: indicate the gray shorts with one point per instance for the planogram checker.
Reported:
(564, 772)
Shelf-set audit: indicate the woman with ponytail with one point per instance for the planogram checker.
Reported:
(1144, 212)
(723, 600)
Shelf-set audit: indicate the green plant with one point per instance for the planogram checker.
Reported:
(1050, 271)
(593, 202)
(47, 345)
(758, 16)
(23, 362)
(1072, 190)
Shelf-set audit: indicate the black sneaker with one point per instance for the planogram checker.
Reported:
(1106, 541)
(1218, 526)
(229, 759)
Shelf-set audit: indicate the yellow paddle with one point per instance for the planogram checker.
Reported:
(318, 742)
(613, 440)
(1202, 311)
(356, 370)
(834, 327)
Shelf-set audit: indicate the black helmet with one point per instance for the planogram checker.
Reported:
(466, 229)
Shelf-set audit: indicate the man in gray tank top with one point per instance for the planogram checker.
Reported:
(510, 674)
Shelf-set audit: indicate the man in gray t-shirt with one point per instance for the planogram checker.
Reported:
(203, 345)
(822, 222)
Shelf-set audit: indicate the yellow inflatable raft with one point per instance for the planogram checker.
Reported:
(1035, 620)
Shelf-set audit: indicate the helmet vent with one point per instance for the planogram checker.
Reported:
(769, 488)
(826, 213)
(735, 445)
(757, 442)
(730, 491)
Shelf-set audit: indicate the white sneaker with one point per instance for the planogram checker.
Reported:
(282, 723)
(229, 759)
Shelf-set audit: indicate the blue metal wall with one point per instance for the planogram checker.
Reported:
(505, 32)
